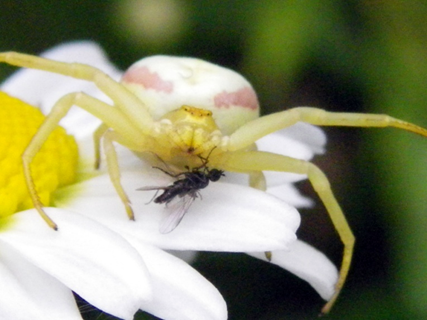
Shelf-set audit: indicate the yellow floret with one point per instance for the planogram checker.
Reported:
(54, 166)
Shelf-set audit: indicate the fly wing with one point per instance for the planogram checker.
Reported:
(148, 188)
(177, 212)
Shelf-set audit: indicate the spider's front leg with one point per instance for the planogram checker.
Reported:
(258, 128)
(111, 116)
(128, 103)
(250, 161)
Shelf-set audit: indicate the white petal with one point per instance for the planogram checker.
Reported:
(290, 194)
(228, 218)
(96, 263)
(28, 292)
(286, 143)
(187, 256)
(180, 292)
(300, 141)
(87, 52)
(308, 264)
(306, 134)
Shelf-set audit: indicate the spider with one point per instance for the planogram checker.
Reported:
(196, 126)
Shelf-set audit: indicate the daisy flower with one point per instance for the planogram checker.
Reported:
(39, 266)
(231, 217)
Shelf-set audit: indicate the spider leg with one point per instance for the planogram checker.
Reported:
(111, 116)
(114, 170)
(258, 128)
(249, 161)
(131, 106)
(97, 136)
(169, 173)
(257, 180)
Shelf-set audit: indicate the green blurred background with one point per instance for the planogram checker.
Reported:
(363, 56)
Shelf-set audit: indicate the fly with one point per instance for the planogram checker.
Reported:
(186, 188)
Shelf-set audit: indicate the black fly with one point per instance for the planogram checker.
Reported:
(186, 188)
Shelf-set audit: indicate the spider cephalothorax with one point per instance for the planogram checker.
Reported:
(182, 108)
(185, 134)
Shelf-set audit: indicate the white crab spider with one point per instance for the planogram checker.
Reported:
(191, 129)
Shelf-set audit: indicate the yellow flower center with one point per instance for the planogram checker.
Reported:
(54, 166)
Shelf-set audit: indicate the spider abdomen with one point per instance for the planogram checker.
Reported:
(166, 83)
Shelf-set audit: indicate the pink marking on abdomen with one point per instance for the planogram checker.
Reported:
(150, 80)
(244, 97)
